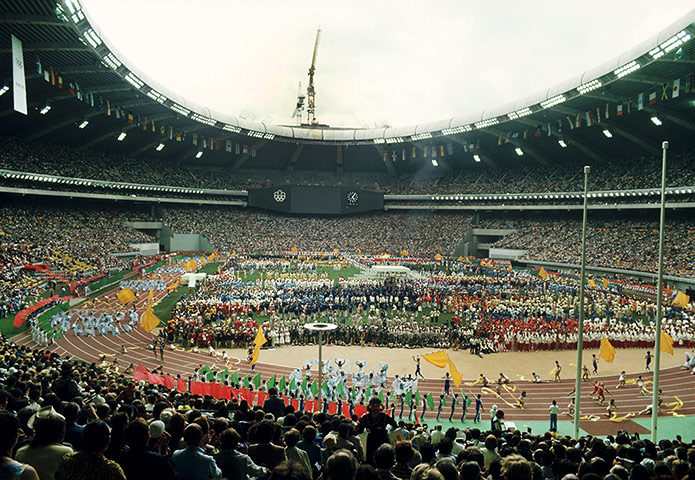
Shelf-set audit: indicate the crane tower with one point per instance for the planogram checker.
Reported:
(310, 90)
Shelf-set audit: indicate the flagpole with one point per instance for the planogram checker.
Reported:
(580, 327)
(320, 373)
(659, 295)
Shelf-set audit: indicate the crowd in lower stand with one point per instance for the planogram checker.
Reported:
(64, 420)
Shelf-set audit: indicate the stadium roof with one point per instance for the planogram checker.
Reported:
(72, 67)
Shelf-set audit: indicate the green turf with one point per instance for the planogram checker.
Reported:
(7, 328)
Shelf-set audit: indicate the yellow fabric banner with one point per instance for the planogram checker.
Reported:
(607, 351)
(438, 359)
(150, 321)
(681, 300)
(258, 342)
(126, 296)
(666, 343)
(542, 273)
(455, 374)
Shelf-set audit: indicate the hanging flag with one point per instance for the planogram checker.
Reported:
(19, 83)
(591, 283)
(500, 140)
(666, 343)
(108, 108)
(441, 150)
(450, 148)
(253, 151)
(676, 90)
(515, 136)
(403, 155)
(195, 139)
(385, 157)
(598, 115)
(47, 76)
(245, 149)
(640, 101)
(131, 119)
(605, 283)
(607, 112)
(425, 152)
(414, 153)
(39, 70)
(578, 121)
(178, 136)
(652, 98)
(393, 156)
(153, 128)
(559, 126)
(688, 83)
(60, 81)
(53, 77)
(205, 143)
(236, 149)
(542, 273)
(456, 376)
(217, 147)
(549, 129)
(228, 146)
(664, 92)
(619, 110)
(144, 124)
(607, 351)
(171, 132)
(71, 87)
(538, 131)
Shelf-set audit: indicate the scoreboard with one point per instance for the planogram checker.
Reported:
(318, 200)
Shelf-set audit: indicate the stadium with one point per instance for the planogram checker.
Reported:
(179, 277)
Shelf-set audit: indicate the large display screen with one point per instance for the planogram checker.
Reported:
(316, 200)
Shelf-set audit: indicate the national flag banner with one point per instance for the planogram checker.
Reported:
(542, 273)
(450, 148)
(441, 150)
(559, 126)
(204, 143)
(71, 87)
(425, 152)
(236, 149)
(130, 118)
(539, 131)
(548, 129)
(245, 149)
(60, 81)
(414, 154)
(607, 112)
(628, 109)
(394, 156)
(578, 121)
(171, 133)
(688, 83)
(108, 108)
(19, 85)
(571, 122)
(47, 76)
(228, 146)
(652, 98)
(153, 128)
(589, 117)
(664, 91)
(195, 139)
(211, 144)
(619, 110)
(676, 89)
(403, 155)
(607, 351)
(598, 115)
(53, 77)
(640, 101)
(385, 157)
(500, 139)
(515, 135)
(39, 70)
(144, 124)
(126, 296)
(253, 152)
(217, 147)
(178, 136)
(666, 343)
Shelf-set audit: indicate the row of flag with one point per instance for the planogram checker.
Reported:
(660, 93)
(148, 124)
(607, 350)
(426, 151)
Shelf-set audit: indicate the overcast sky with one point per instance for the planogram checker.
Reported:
(379, 62)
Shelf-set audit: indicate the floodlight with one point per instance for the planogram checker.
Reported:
(519, 151)
(476, 157)
(160, 147)
(607, 133)
(199, 154)
(46, 108)
(562, 143)
(121, 136)
(656, 121)
(84, 123)
(435, 163)
(4, 89)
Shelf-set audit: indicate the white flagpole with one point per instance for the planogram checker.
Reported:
(580, 332)
(659, 295)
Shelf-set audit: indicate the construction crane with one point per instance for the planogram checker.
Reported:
(300, 105)
(310, 90)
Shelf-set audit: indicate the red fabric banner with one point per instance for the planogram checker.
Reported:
(181, 385)
(346, 410)
(261, 398)
(360, 410)
(248, 396)
(332, 408)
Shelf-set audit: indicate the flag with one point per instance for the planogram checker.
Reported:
(441, 150)
(590, 122)
(456, 376)
(302, 387)
(538, 131)
(150, 296)
(664, 92)
(381, 396)
(417, 397)
(414, 153)
(652, 98)
(542, 273)
(385, 157)
(403, 155)
(619, 110)
(676, 90)
(245, 381)
(60, 81)
(526, 132)
(39, 70)
(438, 359)
(314, 388)
(605, 283)
(271, 382)
(500, 140)
(125, 296)
(258, 342)
(450, 148)
(591, 283)
(569, 120)
(326, 389)
(228, 146)
(234, 379)
(548, 129)
(640, 101)
(578, 121)
(681, 300)
(430, 401)
(509, 268)
(257, 380)
(688, 83)
(245, 149)
(607, 112)
(150, 321)
(224, 374)
(292, 386)
(236, 149)
(607, 351)
(666, 343)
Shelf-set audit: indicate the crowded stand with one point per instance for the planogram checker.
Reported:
(487, 310)
(67, 420)
(624, 243)
(614, 174)
(247, 230)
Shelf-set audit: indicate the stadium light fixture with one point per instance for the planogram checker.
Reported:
(84, 123)
(4, 89)
(519, 151)
(562, 143)
(656, 121)
(121, 136)
(160, 147)
(435, 163)
(607, 133)
(199, 154)
(476, 157)
(46, 108)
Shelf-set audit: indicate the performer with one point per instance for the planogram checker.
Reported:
(375, 423)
